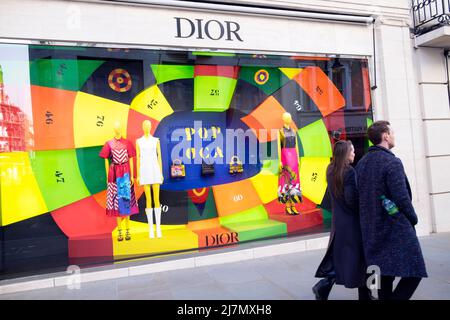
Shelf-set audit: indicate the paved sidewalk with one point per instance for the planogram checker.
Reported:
(285, 277)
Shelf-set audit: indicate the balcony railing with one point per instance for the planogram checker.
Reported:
(430, 14)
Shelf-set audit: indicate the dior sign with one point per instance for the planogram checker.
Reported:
(210, 29)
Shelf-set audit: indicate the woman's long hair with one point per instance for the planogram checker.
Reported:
(338, 165)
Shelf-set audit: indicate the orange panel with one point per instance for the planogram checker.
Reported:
(216, 237)
(211, 233)
(100, 198)
(52, 118)
(235, 197)
(204, 224)
(321, 90)
(268, 115)
(366, 83)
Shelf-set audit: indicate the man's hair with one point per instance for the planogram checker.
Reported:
(376, 130)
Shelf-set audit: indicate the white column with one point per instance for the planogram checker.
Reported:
(432, 78)
(398, 93)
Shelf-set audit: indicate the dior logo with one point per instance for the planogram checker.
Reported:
(223, 238)
(211, 29)
(238, 197)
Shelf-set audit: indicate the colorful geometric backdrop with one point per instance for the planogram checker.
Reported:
(53, 193)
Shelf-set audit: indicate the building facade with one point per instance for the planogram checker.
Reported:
(348, 63)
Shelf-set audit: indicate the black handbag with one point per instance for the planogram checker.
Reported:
(207, 169)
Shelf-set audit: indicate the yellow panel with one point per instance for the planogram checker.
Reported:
(291, 72)
(21, 198)
(266, 184)
(154, 257)
(152, 103)
(173, 239)
(313, 177)
(94, 119)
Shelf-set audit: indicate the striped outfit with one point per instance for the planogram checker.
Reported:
(121, 199)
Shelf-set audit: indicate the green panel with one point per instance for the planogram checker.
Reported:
(369, 123)
(326, 218)
(62, 48)
(315, 141)
(213, 54)
(58, 177)
(270, 166)
(326, 214)
(61, 73)
(301, 151)
(213, 93)
(209, 212)
(252, 214)
(92, 168)
(276, 80)
(252, 230)
(165, 73)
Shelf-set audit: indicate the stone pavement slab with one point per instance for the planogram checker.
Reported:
(281, 277)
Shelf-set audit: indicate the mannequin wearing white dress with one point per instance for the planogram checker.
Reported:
(149, 174)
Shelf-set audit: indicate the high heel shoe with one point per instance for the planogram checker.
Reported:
(119, 235)
(128, 235)
(294, 210)
(289, 211)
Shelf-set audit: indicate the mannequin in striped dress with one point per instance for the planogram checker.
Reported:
(121, 199)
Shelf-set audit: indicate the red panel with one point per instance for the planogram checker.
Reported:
(321, 90)
(222, 71)
(276, 208)
(91, 246)
(303, 221)
(199, 195)
(134, 125)
(52, 118)
(335, 122)
(84, 218)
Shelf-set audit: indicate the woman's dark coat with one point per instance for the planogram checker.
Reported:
(345, 254)
(389, 242)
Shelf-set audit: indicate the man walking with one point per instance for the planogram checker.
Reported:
(389, 239)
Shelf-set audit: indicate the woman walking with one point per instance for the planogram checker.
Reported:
(344, 261)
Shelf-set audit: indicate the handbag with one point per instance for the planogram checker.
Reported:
(236, 165)
(177, 169)
(207, 169)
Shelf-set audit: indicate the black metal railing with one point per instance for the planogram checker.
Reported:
(430, 14)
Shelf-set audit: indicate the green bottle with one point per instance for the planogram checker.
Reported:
(389, 205)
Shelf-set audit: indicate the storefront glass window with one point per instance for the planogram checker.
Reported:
(60, 107)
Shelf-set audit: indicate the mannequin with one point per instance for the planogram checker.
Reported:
(289, 159)
(149, 175)
(121, 199)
